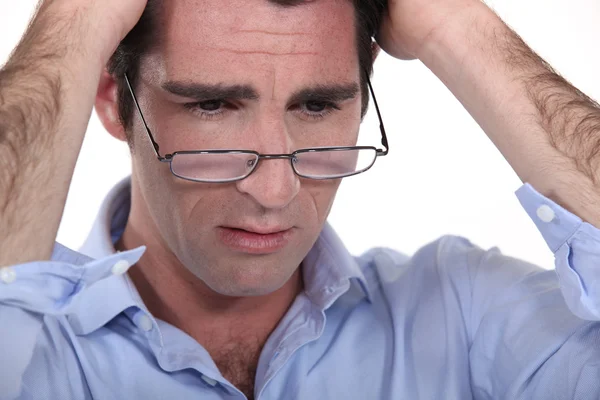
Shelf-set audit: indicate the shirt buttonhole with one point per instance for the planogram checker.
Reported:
(209, 381)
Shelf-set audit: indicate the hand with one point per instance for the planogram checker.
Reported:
(409, 24)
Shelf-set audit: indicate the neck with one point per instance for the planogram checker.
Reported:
(172, 293)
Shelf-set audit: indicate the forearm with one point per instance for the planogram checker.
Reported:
(46, 96)
(546, 129)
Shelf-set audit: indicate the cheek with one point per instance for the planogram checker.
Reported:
(199, 204)
(322, 194)
(170, 200)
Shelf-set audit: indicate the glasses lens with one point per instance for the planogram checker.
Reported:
(213, 167)
(328, 164)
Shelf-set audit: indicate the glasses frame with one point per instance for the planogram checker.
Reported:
(168, 158)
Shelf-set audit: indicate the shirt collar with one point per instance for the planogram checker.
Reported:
(110, 222)
(107, 298)
(329, 270)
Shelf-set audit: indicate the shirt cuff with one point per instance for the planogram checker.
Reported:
(48, 287)
(576, 248)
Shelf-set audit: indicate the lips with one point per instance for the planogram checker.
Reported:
(258, 230)
(255, 240)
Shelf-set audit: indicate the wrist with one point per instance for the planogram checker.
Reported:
(65, 34)
(468, 26)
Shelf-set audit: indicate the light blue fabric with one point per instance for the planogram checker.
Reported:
(451, 322)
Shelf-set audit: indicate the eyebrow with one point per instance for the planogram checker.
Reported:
(329, 93)
(202, 92)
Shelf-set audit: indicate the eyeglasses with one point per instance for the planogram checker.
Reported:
(223, 166)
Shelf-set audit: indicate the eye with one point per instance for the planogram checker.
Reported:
(317, 109)
(208, 109)
(210, 105)
(316, 106)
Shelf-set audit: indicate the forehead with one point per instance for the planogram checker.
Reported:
(223, 40)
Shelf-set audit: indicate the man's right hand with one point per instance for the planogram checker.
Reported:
(47, 92)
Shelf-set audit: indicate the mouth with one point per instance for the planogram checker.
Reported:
(255, 240)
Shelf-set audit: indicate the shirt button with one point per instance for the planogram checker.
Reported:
(145, 323)
(545, 213)
(120, 267)
(8, 275)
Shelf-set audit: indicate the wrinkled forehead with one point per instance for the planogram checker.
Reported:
(236, 37)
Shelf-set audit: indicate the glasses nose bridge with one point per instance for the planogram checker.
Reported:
(275, 156)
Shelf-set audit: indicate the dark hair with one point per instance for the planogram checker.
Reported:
(126, 58)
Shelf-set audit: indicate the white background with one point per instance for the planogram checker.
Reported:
(442, 176)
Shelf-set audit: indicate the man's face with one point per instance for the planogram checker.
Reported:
(280, 55)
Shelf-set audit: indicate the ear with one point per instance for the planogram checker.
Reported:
(107, 106)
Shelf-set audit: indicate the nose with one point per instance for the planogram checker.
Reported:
(273, 184)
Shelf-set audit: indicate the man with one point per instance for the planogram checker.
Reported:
(241, 117)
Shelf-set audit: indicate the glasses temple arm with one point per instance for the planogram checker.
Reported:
(384, 140)
(139, 109)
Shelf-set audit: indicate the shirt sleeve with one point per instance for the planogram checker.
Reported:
(524, 341)
(31, 291)
(576, 247)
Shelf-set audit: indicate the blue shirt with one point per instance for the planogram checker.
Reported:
(453, 321)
